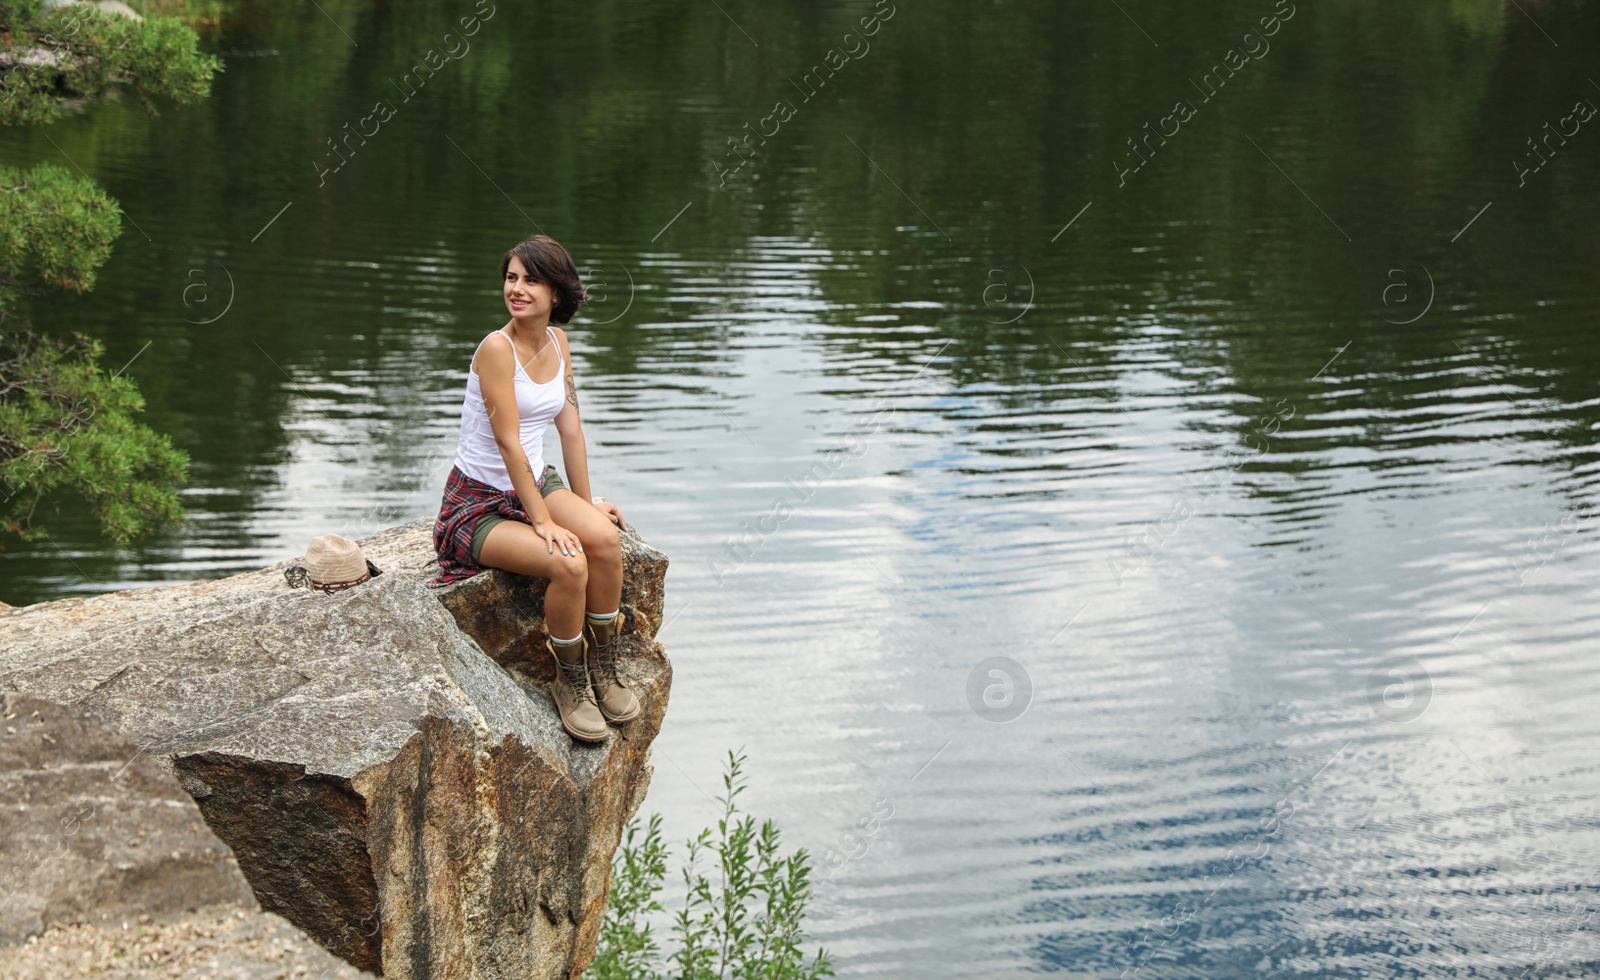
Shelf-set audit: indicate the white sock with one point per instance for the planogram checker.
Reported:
(603, 617)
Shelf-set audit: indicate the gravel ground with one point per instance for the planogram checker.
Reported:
(234, 944)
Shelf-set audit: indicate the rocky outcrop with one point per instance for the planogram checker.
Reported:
(97, 836)
(383, 761)
(93, 832)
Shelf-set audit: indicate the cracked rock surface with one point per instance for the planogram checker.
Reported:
(384, 762)
(111, 871)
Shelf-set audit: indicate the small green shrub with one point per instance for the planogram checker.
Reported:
(747, 924)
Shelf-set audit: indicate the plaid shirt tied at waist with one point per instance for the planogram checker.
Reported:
(466, 501)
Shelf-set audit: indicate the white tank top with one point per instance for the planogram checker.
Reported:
(478, 455)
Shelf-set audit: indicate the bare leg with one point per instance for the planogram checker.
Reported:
(601, 547)
(513, 546)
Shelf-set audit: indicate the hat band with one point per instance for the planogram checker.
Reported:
(298, 577)
(337, 586)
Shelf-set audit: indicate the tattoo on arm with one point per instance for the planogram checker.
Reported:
(572, 392)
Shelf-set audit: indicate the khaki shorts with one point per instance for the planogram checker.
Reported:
(486, 523)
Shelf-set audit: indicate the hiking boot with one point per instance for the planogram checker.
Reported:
(616, 702)
(574, 698)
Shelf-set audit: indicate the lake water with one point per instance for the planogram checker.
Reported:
(1257, 434)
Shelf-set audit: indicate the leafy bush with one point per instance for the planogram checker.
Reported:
(745, 925)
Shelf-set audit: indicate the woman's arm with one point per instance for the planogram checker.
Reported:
(496, 371)
(574, 451)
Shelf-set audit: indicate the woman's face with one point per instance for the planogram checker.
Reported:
(528, 301)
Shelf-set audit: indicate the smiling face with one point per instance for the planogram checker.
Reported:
(529, 302)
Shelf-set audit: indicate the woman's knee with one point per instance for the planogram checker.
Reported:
(572, 569)
(606, 545)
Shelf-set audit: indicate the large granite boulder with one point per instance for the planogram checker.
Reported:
(97, 836)
(504, 613)
(384, 761)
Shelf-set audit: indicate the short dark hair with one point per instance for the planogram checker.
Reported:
(547, 262)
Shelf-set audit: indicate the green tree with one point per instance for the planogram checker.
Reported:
(65, 424)
(81, 52)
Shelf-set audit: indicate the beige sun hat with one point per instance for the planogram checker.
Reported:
(332, 563)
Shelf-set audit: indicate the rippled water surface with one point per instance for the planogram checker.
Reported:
(1241, 459)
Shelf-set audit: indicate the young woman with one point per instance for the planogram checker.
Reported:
(504, 507)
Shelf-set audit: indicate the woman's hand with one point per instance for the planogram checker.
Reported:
(555, 536)
(609, 509)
